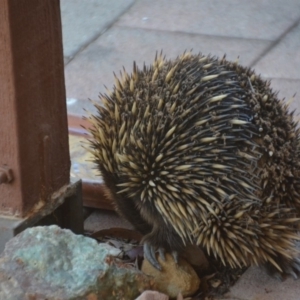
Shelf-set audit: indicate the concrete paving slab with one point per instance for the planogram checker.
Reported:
(283, 61)
(83, 21)
(257, 19)
(79, 107)
(255, 284)
(94, 66)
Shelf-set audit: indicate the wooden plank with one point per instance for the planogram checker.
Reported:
(94, 195)
(33, 117)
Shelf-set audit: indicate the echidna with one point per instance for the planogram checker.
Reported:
(200, 150)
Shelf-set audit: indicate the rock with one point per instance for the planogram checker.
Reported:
(55, 264)
(152, 295)
(174, 278)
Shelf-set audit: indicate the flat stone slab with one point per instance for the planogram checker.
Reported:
(255, 284)
(83, 21)
(117, 47)
(255, 19)
(283, 61)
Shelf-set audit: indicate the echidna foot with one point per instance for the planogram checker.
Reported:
(289, 268)
(175, 255)
(161, 253)
(150, 255)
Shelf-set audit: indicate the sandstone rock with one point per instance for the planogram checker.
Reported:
(152, 295)
(174, 278)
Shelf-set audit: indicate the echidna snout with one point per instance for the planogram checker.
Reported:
(200, 150)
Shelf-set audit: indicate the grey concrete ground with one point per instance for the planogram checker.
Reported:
(101, 36)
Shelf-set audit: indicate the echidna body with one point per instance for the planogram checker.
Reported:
(200, 150)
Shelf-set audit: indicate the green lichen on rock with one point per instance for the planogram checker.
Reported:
(60, 258)
(53, 263)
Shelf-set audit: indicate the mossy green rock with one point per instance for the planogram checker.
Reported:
(53, 263)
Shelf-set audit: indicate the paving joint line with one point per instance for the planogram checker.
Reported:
(195, 34)
(281, 78)
(97, 35)
(274, 43)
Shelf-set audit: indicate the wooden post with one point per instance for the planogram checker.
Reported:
(33, 117)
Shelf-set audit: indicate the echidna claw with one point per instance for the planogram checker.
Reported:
(149, 254)
(161, 252)
(175, 256)
(292, 273)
